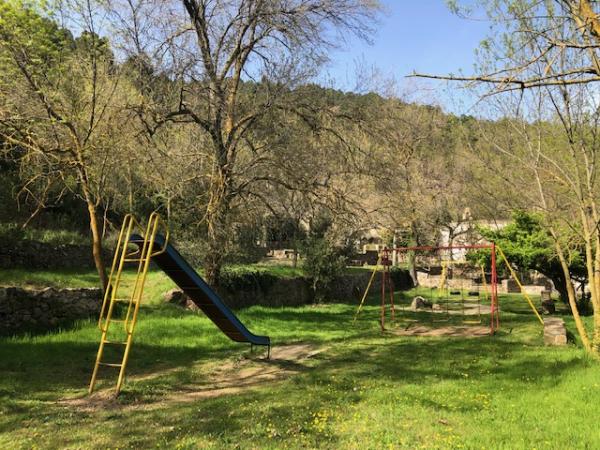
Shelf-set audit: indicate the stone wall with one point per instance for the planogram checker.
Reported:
(297, 291)
(29, 310)
(281, 292)
(41, 255)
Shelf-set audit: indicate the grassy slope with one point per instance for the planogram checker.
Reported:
(89, 277)
(367, 390)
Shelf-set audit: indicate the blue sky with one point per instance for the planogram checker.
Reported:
(416, 35)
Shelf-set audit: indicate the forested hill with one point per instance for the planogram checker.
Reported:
(93, 128)
(361, 159)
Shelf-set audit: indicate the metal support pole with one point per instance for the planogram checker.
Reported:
(383, 276)
(494, 282)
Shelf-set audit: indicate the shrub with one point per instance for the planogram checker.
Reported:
(11, 232)
(322, 263)
(244, 279)
(401, 278)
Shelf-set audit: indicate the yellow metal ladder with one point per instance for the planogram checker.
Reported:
(112, 304)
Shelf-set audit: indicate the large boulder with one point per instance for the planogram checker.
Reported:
(420, 303)
(175, 296)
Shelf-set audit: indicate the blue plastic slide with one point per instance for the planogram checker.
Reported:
(184, 276)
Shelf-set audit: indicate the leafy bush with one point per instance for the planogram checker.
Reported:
(11, 232)
(584, 305)
(244, 279)
(528, 246)
(322, 263)
(401, 278)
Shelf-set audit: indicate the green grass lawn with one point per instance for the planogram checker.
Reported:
(364, 389)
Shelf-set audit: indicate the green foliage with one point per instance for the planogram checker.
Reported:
(26, 29)
(40, 279)
(13, 232)
(91, 44)
(243, 278)
(322, 263)
(528, 246)
(284, 230)
(244, 248)
(401, 277)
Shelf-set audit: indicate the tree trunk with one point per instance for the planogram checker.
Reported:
(560, 285)
(412, 268)
(97, 246)
(394, 252)
(590, 262)
(213, 262)
(216, 221)
(583, 335)
(556, 275)
(412, 257)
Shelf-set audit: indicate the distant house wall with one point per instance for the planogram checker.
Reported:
(464, 233)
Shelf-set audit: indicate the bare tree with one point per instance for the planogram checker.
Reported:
(59, 102)
(209, 48)
(562, 36)
(550, 48)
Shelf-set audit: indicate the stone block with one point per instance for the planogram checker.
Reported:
(510, 286)
(555, 332)
(175, 296)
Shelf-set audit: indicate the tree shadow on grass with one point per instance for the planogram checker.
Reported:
(253, 415)
(332, 381)
(412, 360)
(44, 368)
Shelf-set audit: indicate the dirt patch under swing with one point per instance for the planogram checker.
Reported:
(447, 331)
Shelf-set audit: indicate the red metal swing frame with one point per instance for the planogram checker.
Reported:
(387, 284)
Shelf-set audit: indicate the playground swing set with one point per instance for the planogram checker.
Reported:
(445, 293)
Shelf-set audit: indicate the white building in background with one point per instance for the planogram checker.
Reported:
(463, 232)
(466, 232)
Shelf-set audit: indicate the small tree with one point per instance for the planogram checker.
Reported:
(529, 246)
(59, 103)
(322, 263)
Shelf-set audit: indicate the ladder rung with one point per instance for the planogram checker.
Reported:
(110, 364)
(134, 259)
(115, 342)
